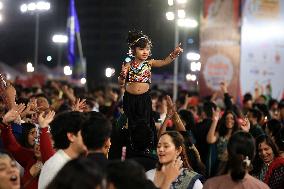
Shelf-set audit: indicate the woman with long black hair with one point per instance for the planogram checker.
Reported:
(241, 151)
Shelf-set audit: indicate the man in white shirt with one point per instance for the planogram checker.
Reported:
(66, 134)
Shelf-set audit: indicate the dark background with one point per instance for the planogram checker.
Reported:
(104, 26)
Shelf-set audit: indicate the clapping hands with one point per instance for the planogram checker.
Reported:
(13, 115)
(171, 107)
(79, 105)
(44, 120)
(31, 108)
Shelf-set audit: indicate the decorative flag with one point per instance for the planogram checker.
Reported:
(73, 28)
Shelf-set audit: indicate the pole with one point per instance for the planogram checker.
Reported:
(82, 59)
(36, 41)
(59, 55)
(175, 78)
(79, 43)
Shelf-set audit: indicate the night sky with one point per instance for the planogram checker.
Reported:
(104, 25)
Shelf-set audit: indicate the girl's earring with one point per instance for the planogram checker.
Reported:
(130, 52)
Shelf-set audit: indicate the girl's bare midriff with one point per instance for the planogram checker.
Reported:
(137, 88)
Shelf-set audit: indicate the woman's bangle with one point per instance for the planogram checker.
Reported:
(169, 116)
(178, 120)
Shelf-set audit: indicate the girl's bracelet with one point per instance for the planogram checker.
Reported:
(123, 76)
(173, 55)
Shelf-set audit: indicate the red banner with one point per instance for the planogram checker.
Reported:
(220, 46)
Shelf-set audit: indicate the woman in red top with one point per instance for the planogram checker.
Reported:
(29, 158)
(268, 165)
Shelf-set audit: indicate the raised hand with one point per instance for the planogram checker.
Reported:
(20, 108)
(124, 70)
(216, 115)
(10, 116)
(224, 86)
(171, 108)
(79, 105)
(112, 95)
(186, 102)
(7, 92)
(69, 93)
(177, 51)
(44, 121)
(30, 109)
(172, 170)
(214, 96)
(55, 85)
(67, 90)
(245, 124)
(187, 98)
(13, 115)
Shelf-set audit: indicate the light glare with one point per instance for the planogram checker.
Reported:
(181, 1)
(41, 5)
(38, 6)
(109, 72)
(8, 76)
(187, 22)
(195, 66)
(59, 38)
(24, 8)
(31, 6)
(67, 70)
(48, 58)
(193, 56)
(170, 2)
(83, 81)
(1, 5)
(170, 16)
(30, 67)
(190, 77)
(181, 13)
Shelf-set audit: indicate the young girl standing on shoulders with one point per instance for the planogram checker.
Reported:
(135, 76)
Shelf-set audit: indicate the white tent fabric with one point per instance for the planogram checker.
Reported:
(10, 72)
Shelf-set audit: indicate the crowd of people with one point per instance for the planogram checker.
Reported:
(59, 136)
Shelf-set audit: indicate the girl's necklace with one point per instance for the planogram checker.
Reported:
(135, 64)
